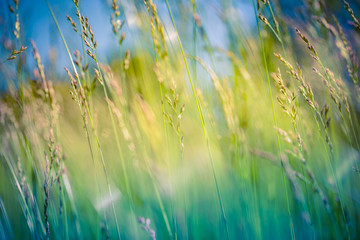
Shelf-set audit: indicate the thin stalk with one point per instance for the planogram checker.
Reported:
(132, 207)
(6, 218)
(167, 140)
(167, 152)
(117, 139)
(90, 118)
(253, 166)
(331, 160)
(27, 213)
(299, 148)
(194, 69)
(275, 123)
(328, 141)
(25, 145)
(158, 196)
(279, 36)
(203, 125)
(194, 40)
(62, 194)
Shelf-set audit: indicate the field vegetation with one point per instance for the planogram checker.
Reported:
(175, 137)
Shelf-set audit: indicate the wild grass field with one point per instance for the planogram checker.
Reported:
(175, 136)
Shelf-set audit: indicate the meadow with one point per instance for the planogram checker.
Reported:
(174, 136)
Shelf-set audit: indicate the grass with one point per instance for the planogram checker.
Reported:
(176, 137)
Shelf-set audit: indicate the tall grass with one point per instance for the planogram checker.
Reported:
(178, 137)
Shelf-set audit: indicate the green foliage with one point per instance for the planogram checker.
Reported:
(258, 140)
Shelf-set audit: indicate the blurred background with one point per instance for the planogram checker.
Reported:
(167, 173)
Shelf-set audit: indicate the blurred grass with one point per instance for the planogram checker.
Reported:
(53, 183)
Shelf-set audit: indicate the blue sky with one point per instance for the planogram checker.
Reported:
(37, 24)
